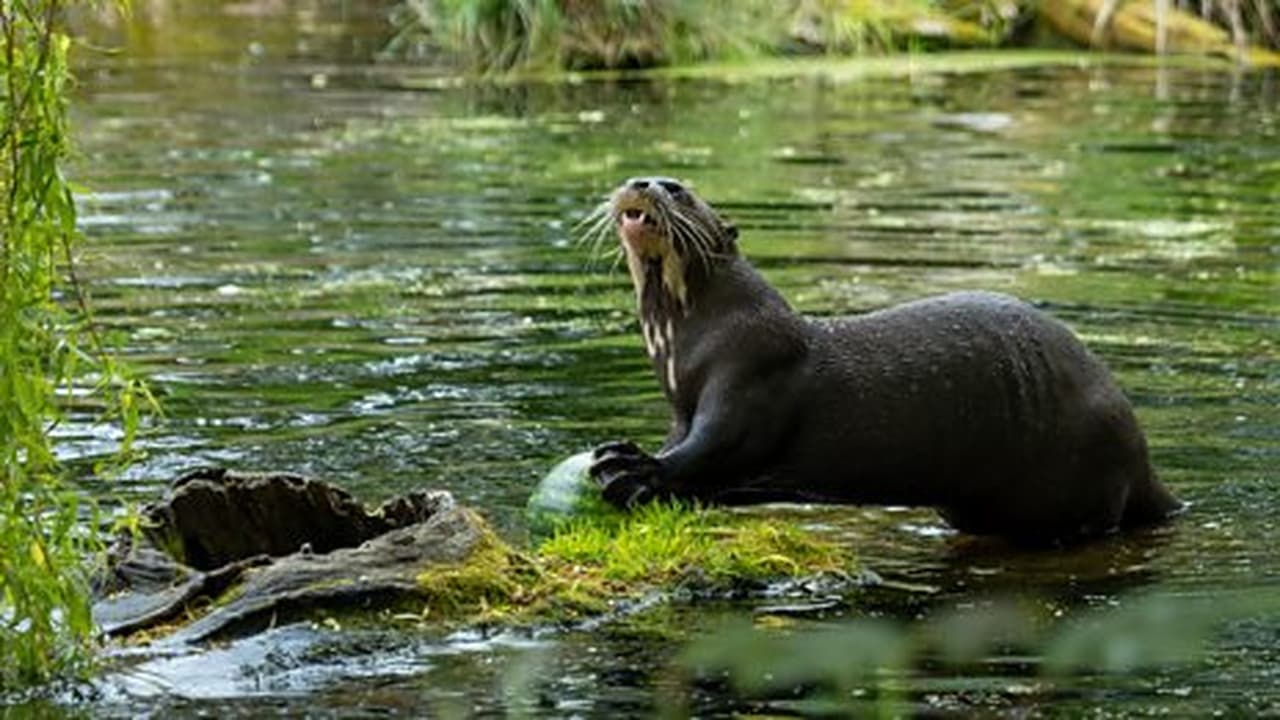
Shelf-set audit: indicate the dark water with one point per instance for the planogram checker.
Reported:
(328, 272)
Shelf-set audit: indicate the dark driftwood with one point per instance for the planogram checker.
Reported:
(214, 516)
(292, 544)
(378, 573)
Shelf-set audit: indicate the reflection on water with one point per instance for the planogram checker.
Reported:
(328, 274)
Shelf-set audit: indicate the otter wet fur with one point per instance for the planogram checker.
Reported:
(974, 403)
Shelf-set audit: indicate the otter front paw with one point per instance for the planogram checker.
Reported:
(628, 475)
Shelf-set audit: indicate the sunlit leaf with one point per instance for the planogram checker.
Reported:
(38, 557)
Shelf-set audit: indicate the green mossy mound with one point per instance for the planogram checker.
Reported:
(590, 564)
(662, 543)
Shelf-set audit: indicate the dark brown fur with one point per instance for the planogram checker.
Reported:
(974, 403)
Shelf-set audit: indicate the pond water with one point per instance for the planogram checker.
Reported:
(368, 274)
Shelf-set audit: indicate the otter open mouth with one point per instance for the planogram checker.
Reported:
(643, 236)
(635, 216)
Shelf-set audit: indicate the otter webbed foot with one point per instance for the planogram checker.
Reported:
(628, 475)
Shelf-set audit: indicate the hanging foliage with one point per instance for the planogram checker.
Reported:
(49, 350)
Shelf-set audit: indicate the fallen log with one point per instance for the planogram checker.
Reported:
(1141, 26)
(283, 542)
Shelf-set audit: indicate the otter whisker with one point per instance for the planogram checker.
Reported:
(610, 258)
(708, 246)
(699, 233)
(616, 255)
(694, 237)
(601, 208)
(662, 217)
(688, 241)
(705, 244)
(590, 219)
(599, 213)
(600, 231)
(594, 236)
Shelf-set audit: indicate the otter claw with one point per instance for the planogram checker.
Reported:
(626, 473)
(610, 465)
(628, 491)
(618, 447)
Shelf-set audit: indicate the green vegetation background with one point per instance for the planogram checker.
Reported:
(501, 35)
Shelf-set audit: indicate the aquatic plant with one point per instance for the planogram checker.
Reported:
(863, 26)
(499, 35)
(583, 34)
(49, 350)
(877, 665)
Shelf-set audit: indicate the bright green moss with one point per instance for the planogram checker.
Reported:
(660, 543)
(589, 565)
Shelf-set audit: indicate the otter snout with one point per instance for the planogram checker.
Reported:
(636, 212)
(639, 230)
(632, 220)
(670, 185)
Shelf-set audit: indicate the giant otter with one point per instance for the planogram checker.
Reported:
(974, 403)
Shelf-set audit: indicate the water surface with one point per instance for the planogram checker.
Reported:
(328, 272)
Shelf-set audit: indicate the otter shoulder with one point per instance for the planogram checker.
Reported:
(964, 314)
(965, 303)
(973, 298)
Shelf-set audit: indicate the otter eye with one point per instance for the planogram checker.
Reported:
(671, 186)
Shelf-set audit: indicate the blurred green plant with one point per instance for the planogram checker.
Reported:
(497, 35)
(871, 662)
(866, 26)
(500, 35)
(49, 354)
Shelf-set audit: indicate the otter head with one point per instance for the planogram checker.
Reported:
(669, 236)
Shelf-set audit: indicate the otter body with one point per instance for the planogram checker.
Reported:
(974, 403)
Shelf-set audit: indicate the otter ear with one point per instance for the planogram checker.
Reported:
(731, 231)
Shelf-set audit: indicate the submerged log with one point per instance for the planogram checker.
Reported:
(290, 543)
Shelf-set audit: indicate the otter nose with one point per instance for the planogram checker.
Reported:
(668, 184)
